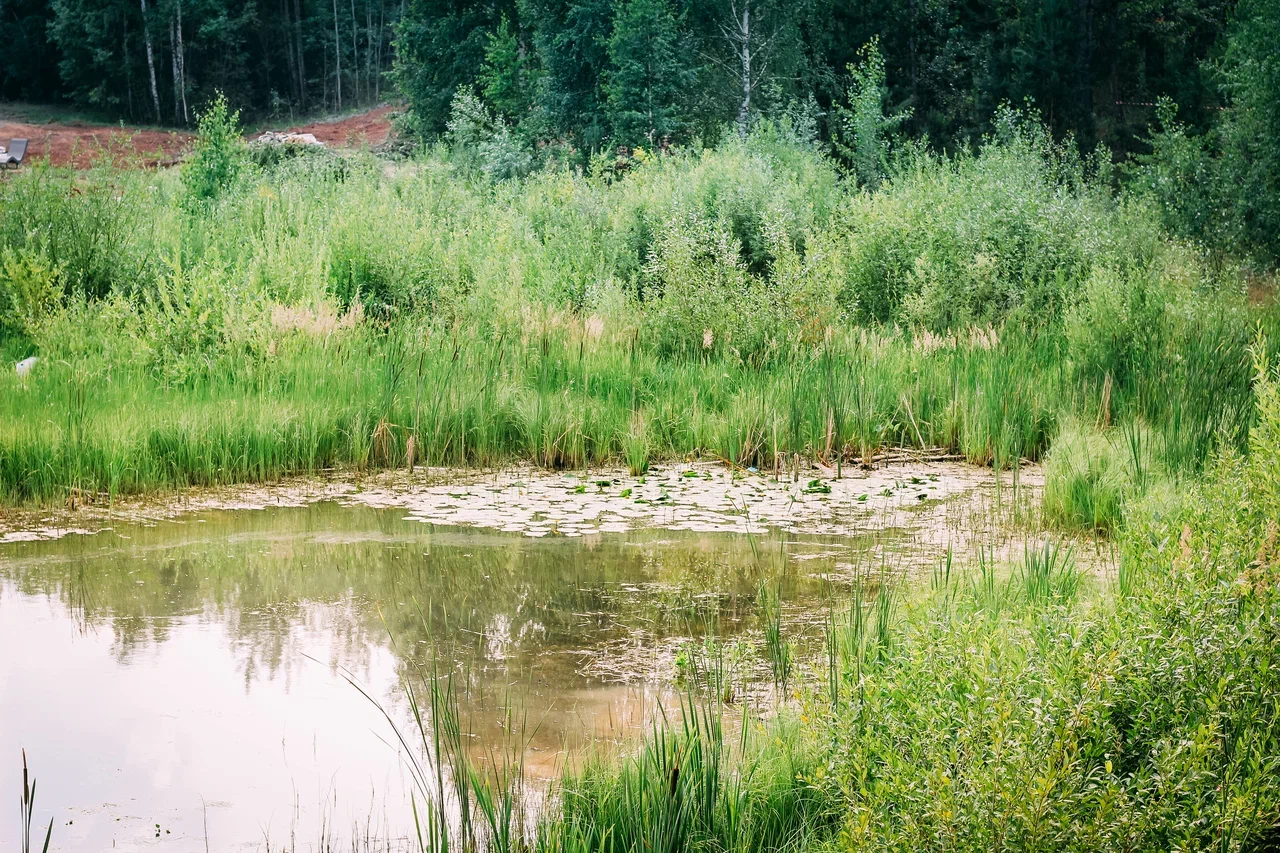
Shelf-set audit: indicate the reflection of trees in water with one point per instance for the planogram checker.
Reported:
(281, 582)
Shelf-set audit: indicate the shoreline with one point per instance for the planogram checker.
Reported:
(700, 496)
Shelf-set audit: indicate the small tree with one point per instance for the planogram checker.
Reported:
(863, 128)
(219, 155)
(508, 78)
(1182, 175)
(648, 73)
(479, 140)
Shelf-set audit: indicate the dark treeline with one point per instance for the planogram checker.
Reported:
(1186, 91)
(594, 71)
(161, 61)
(1189, 90)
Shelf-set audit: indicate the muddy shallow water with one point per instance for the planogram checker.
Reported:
(183, 675)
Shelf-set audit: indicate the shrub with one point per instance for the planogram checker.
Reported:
(479, 140)
(1010, 231)
(30, 287)
(219, 155)
(96, 228)
(863, 129)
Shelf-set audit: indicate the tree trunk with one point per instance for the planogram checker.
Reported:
(173, 65)
(128, 66)
(151, 62)
(182, 68)
(355, 52)
(337, 56)
(290, 57)
(377, 61)
(302, 64)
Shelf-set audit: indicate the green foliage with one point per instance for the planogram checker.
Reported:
(1006, 718)
(508, 78)
(739, 301)
(864, 128)
(1251, 130)
(479, 140)
(649, 72)
(1181, 177)
(30, 287)
(440, 46)
(1013, 230)
(219, 155)
(1038, 710)
(96, 233)
(1220, 185)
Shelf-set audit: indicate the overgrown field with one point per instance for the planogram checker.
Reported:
(249, 317)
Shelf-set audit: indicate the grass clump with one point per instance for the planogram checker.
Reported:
(1091, 474)
(688, 787)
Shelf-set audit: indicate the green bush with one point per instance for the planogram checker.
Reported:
(97, 228)
(1141, 720)
(219, 156)
(1013, 230)
(30, 287)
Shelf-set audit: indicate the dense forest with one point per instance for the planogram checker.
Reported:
(161, 61)
(1186, 87)
(595, 70)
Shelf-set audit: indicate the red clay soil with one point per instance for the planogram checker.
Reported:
(80, 145)
(368, 128)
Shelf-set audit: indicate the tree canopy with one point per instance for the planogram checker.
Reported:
(597, 72)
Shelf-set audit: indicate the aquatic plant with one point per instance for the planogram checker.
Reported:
(28, 811)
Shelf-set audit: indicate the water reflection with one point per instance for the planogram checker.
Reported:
(188, 680)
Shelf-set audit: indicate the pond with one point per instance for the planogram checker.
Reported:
(219, 677)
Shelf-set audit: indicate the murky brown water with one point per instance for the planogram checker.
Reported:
(188, 680)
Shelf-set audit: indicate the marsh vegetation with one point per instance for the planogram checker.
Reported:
(759, 305)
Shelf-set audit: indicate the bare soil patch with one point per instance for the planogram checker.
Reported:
(367, 128)
(82, 144)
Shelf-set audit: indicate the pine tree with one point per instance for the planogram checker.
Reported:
(648, 72)
(571, 40)
(508, 77)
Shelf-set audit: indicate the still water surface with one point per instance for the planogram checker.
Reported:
(189, 683)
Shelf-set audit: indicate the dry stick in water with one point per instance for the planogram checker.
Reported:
(907, 404)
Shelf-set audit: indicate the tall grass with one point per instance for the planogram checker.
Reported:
(741, 302)
(559, 401)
